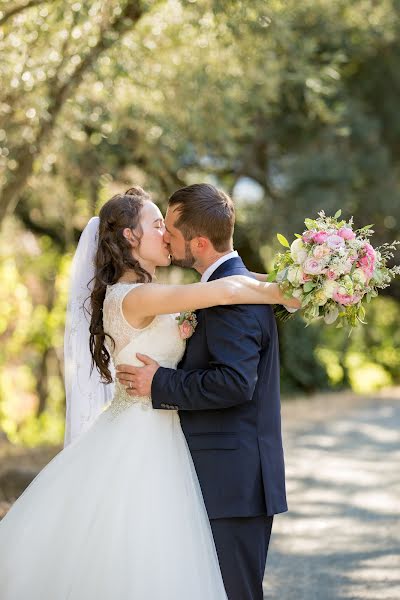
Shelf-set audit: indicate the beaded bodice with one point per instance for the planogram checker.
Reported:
(160, 340)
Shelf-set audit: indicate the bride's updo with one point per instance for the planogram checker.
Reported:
(113, 259)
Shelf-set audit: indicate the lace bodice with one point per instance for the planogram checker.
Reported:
(160, 340)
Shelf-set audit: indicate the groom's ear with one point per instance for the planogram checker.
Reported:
(202, 243)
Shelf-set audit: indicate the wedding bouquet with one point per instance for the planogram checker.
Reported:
(333, 269)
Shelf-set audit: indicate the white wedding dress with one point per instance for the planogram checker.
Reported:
(118, 514)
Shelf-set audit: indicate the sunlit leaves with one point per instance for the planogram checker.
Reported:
(299, 97)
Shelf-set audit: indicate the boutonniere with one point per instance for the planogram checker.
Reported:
(187, 323)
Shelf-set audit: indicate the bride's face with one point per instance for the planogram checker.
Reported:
(152, 251)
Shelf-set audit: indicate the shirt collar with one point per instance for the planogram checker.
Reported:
(208, 272)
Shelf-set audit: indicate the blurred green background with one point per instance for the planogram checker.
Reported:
(292, 107)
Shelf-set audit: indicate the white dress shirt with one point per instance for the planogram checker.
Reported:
(210, 270)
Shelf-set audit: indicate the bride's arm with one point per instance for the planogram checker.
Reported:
(153, 299)
(260, 276)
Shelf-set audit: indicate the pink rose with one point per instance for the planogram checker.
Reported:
(308, 235)
(320, 251)
(304, 277)
(313, 266)
(345, 299)
(335, 241)
(320, 237)
(370, 251)
(186, 330)
(367, 261)
(331, 274)
(346, 233)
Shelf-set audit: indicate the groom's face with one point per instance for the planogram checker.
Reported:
(180, 249)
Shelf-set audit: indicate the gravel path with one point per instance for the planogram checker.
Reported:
(341, 536)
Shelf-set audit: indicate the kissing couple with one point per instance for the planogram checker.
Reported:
(173, 466)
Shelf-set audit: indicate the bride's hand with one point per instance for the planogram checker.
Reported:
(280, 298)
(288, 302)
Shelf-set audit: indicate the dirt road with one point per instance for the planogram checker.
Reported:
(341, 537)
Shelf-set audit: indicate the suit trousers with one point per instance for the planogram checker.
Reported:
(242, 547)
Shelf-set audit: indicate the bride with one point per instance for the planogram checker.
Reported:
(118, 514)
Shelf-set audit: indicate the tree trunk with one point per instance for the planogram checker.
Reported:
(24, 155)
(42, 383)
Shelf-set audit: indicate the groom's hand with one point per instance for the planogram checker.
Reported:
(138, 380)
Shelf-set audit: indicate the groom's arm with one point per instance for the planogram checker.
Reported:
(234, 338)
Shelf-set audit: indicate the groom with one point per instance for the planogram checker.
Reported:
(226, 389)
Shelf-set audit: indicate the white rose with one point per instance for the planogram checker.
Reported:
(331, 315)
(359, 276)
(347, 266)
(329, 287)
(320, 298)
(294, 274)
(298, 293)
(298, 251)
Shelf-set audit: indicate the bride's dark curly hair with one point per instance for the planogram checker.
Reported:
(113, 259)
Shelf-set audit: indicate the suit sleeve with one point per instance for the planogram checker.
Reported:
(234, 339)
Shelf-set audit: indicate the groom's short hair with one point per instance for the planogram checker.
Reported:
(205, 210)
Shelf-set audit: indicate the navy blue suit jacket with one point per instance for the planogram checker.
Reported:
(227, 391)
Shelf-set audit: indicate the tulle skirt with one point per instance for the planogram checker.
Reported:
(117, 515)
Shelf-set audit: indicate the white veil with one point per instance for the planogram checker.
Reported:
(86, 395)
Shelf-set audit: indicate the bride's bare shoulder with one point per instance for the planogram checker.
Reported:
(135, 304)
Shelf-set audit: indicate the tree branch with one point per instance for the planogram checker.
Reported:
(54, 231)
(15, 10)
(129, 16)
(26, 153)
